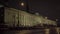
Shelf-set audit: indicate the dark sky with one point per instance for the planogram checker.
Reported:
(48, 8)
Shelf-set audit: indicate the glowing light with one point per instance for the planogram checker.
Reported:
(22, 4)
(37, 13)
(56, 19)
(46, 17)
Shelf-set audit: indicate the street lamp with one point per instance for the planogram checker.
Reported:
(22, 4)
(27, 9)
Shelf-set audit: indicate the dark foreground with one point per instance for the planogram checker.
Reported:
(28, 30)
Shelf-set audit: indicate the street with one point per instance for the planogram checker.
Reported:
(24, 32)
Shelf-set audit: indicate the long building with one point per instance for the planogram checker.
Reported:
(22, 18)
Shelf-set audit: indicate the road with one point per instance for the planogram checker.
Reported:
(24, 31)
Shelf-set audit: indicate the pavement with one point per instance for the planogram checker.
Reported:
(23, 32)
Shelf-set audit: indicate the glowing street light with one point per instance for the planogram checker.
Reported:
(22, 4)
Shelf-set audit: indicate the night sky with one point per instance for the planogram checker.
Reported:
(48, 8)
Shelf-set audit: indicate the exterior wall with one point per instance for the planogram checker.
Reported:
(25, 19)
(10, 17)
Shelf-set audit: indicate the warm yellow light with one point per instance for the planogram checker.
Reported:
(45, 17)
(22, 4)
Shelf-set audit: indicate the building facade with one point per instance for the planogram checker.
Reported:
(22, 18)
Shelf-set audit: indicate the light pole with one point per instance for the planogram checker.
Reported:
(27, 9)
(22, 4)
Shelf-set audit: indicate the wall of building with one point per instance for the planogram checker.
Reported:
(12, 16)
